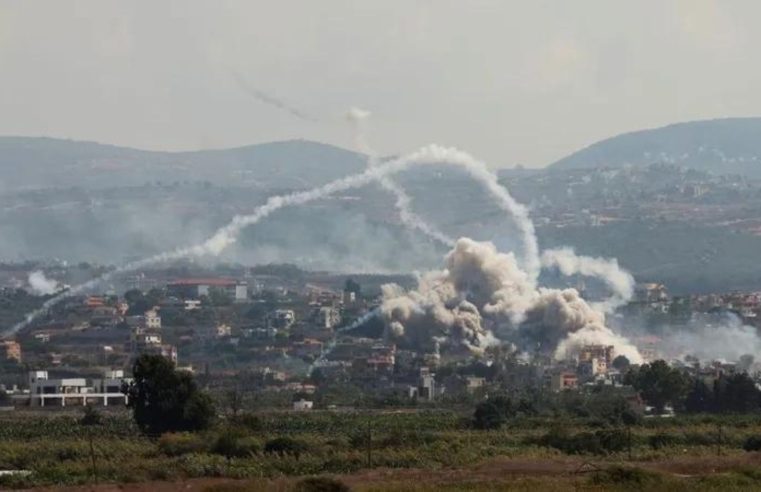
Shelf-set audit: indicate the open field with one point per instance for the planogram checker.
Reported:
(417, 450)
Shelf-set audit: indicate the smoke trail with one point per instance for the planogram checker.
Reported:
(357, 117)
(326, 351)
(620, 282)
(268, 99)
(227, 235)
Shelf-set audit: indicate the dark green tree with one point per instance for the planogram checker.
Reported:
(699, 398)
(737, 394)
(621, 363)
(164, 399)
(658, 384)
(352, 286)
(492, 413)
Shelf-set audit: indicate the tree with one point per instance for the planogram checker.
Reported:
(658, 384)
(352, 286)
(699, 399)
(621, 363)
(492, 413)
(164, 399)
(737, 394)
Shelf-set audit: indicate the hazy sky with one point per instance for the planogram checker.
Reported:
(511, 82)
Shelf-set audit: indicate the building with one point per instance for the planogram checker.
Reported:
(44, 391)
(563, 380)
(604, 353)
(152, 319)
(303, 405)
(145, 342)
(328, 317)
(193, 288)
(651, 292)
(10, 350)
(281, 319)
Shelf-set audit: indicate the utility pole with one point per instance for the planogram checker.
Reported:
(369, 442)
(718, 441)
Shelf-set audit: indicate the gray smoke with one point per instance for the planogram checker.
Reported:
(483, 296)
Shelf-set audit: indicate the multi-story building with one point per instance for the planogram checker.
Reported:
(44, 391)
(193, 288)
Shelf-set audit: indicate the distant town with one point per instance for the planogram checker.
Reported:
(277, 337)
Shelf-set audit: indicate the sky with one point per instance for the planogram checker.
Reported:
(512, 82)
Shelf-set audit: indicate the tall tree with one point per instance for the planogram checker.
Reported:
(658, 384)
(164, 399)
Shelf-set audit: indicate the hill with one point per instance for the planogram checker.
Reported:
(36, 163)
(721, 146)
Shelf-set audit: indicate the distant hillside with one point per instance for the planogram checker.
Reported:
(722, 146)
(33, 163)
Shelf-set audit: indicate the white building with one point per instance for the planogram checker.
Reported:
(44, 391)
(302, 405)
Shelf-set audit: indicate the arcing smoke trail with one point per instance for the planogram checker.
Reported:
(620, 282)
(227, 235)
(357, 117)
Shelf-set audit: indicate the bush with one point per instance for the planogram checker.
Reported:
(753, 443)
(630, 477)
(599, 442)
(285, 446)
(321, 484)
(248, 421)
(180, 443)
(662, 440)
(232, 446)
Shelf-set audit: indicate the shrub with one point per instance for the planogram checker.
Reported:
(753, 443)
(180, 443)
(662, 440)
(284, 446)
(600, 442)
(321, 484)
(232, 446)
(631, 477)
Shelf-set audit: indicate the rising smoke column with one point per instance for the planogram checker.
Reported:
(483, 295)
(228, 235)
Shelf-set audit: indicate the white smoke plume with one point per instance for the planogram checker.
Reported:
(402, 201)
(710, 337)
(228, 235)
(41, 285)
(619, 281)
(484, 294)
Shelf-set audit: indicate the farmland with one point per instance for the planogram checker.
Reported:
(410, 450)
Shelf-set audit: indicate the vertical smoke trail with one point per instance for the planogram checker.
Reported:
(357, 117)
(228, 235)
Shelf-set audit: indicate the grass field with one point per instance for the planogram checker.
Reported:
(408, 450)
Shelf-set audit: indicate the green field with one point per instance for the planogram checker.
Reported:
(259, 450)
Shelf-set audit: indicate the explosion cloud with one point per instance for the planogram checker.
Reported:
(483, 296)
